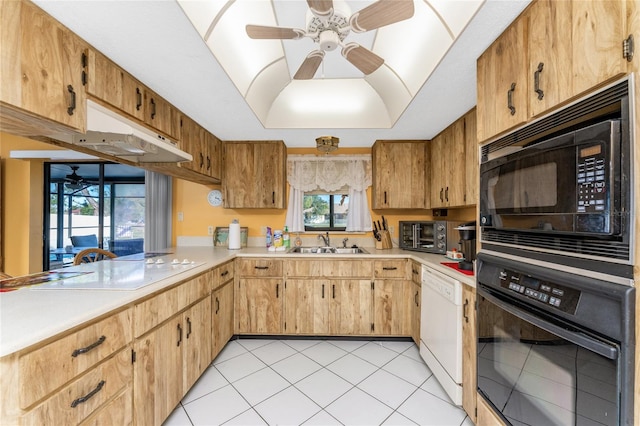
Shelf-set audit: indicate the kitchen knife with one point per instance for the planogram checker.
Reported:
(384, 223)
(379, 226)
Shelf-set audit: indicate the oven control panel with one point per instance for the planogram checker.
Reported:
(592, 179)
(551, 294)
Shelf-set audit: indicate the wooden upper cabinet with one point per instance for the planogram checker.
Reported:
(254, 174)
(598, 32)
(399, 175)
(41, 66)
(503, 82)
(161, 115)
(448, 171)
(550, 54)
(471, 163)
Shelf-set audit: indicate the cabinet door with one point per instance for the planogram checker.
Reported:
(438, 170)
(158, 372)
(550, 54)
(191, 142)
(454, 167)
(503, 83)
(197, 341)
(259, 308)
(254, 175)
(222, 311)
(469, 387)
(213, 147)
(350, 310)
(307, 306)
(133, 97)
(42, 65)
(472, 165)
(598, 32)
(392, 307)
(161, 115)
(416, 298)
(104, 79)
(399, 170)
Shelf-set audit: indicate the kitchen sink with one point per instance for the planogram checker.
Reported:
(328, 250)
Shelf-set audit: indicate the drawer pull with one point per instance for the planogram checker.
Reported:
(217, 305)
(464, 310)
(179, 335)
(389, 268)
(416, 299)
(261, 267)
(90, 347)
(224, 274)
(88, 396)
(188, 327)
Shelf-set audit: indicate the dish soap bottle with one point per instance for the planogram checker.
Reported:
(286, 242)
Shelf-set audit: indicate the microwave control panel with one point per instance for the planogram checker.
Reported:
(551, 294)
(592, 177)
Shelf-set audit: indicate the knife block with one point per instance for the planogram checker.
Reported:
(385, 241)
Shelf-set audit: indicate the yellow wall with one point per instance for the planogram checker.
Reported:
(22, 203)
(191, 199)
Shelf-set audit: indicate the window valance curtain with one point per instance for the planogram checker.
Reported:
(307, 173)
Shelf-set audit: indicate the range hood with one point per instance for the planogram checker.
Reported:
(116, 135)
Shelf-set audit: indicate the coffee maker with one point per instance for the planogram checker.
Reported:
(467, 244)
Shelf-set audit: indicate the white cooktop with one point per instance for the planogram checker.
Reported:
(127, 273)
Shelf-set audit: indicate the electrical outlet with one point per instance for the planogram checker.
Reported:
(263, 230)
(210, 230)
(391, 229)
(180, 216)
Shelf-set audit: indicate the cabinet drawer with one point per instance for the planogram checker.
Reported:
(390, 268)
(159, 308)
(117, 412)
(303, 268)
(222, 274)
(82, 397)
(53, 365)
(260, 267)
(347, 268)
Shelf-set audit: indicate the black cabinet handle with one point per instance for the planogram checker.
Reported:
(179, 334)
(389, 268)
(323, 291)
(90, 347)
(201, 160)
(188, 327)
(446, 194)
(441, 194)
(217, 305)
(72, 100)
(273, 197)
(416, 299)
(536, 81)
(510, 99)
(385, 197)
(464, 310)
(277, 291)
(153, 109)
(138, 99)
(208, 163)
(88, 396)
(333, 291)
(261, 267)
(224, 274)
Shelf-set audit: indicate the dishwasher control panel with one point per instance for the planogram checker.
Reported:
(447, 287)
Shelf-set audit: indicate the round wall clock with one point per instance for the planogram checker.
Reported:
(215, 197)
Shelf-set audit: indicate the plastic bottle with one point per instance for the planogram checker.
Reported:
(286, 242)
(268, 237)
(277, 238)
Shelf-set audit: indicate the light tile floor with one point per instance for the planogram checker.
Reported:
(317, 382)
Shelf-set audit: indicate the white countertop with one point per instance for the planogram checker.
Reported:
(31, 315)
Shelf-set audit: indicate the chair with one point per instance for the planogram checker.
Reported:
(92, 255)
(84, 240)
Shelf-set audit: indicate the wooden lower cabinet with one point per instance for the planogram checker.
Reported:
(117, 412)
(169, 359)
(416, 299)
(259, 305)
(222, 317)
(486, 416)
(307, 304)
(350, 310)
(392, 301)
(469, 342)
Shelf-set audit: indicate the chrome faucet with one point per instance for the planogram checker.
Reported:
(344, 242)
(325, 239)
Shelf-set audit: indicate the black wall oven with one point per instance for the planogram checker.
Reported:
(559, 190)
(554, 348)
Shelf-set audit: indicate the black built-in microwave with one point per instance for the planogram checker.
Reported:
(564, 197)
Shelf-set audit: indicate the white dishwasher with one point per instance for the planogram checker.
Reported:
(441, 330)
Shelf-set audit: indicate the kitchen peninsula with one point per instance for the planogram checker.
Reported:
(97, 330)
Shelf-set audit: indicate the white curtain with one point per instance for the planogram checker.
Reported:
(157, 215)
(306, 173)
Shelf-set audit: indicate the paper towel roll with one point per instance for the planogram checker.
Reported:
(234, 236)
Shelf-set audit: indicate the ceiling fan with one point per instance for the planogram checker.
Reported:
(328, 24)
(74, 181)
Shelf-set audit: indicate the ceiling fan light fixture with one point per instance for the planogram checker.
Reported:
(327, 144)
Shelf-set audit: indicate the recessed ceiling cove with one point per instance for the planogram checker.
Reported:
(329, 63)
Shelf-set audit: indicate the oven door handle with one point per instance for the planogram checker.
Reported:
(577, 338)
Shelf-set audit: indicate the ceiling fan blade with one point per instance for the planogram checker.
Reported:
(381, 13)
(264, 32)
(362, 58)
(320, 7)
(309, 66)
